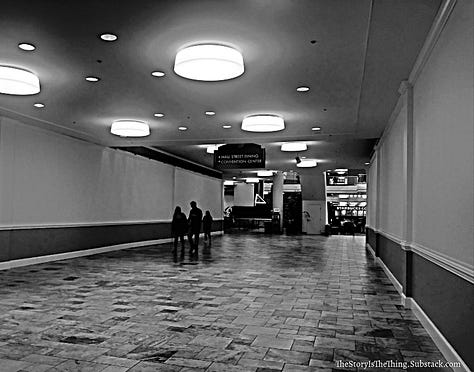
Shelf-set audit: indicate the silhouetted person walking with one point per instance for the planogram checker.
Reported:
(207, 226)
(179, 228)
(194, 220)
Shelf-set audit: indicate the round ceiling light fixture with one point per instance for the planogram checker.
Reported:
(209, 62)
(263, 123)
(130, 128)
(294, 146)
(307, 163)
(210, 113)
(26, 47)
(158, 73)
(182, 128)
(38, 105)
(316, 129)
(92, 79)
(108, 36)
(18, 82)
(226, 126)
(302, 89)
(158, 114)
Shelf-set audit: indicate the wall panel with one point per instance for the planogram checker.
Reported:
(443, 118)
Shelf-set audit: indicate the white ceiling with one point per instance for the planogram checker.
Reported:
(363, 50)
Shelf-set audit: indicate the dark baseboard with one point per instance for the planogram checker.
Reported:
(445, 298)
(24, 243)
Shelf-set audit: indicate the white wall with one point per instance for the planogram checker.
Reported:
(372, 193)
(244, 194)
(443, 117)
(391, 178)
(206, 191)
(51, 179)
(443, 150)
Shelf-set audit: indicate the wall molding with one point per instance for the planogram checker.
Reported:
(86, 252)
(437, 27)
(443, 345)
(456, 267)
(84, 224)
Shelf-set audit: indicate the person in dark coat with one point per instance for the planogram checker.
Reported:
(179, 228)
(194, 221)
(206, 227)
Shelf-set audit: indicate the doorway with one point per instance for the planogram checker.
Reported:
(312, 217)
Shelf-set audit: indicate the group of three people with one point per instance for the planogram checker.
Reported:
(191, 226)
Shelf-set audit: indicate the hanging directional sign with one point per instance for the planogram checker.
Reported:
(239, 156)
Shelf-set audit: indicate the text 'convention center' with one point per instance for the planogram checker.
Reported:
(236, 185)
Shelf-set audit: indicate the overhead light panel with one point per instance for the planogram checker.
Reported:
(210, 149)
(229, 183)
(252, 180)
(316, 128)
(18, 82)
(209, 62)
(263, 123)
(307, 163)
(294, 146)
(130, 128)
(265, 173)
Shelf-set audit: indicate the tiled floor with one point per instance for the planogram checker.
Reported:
(256, 303)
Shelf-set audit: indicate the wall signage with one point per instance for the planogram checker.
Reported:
(239, 156)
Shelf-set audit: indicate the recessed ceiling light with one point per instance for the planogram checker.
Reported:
(130, 128)
(18, 82)
(265, 173)
(158, 73)
(92, 79)
(226, 126)
(26, 46)
(234, 178)
(183, 128)
(158, 114)
(108, 37)
(263, 123)
(39, 105)
(209, 62)
(307, 163)
(210, 113)
(294, 146)
(367, 163)
(316, 128)
(302, 89)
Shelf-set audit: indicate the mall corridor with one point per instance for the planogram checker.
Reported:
(254, 302)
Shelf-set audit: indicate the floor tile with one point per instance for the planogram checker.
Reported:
(256, 303)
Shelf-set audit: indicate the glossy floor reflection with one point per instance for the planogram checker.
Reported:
(251, 303)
